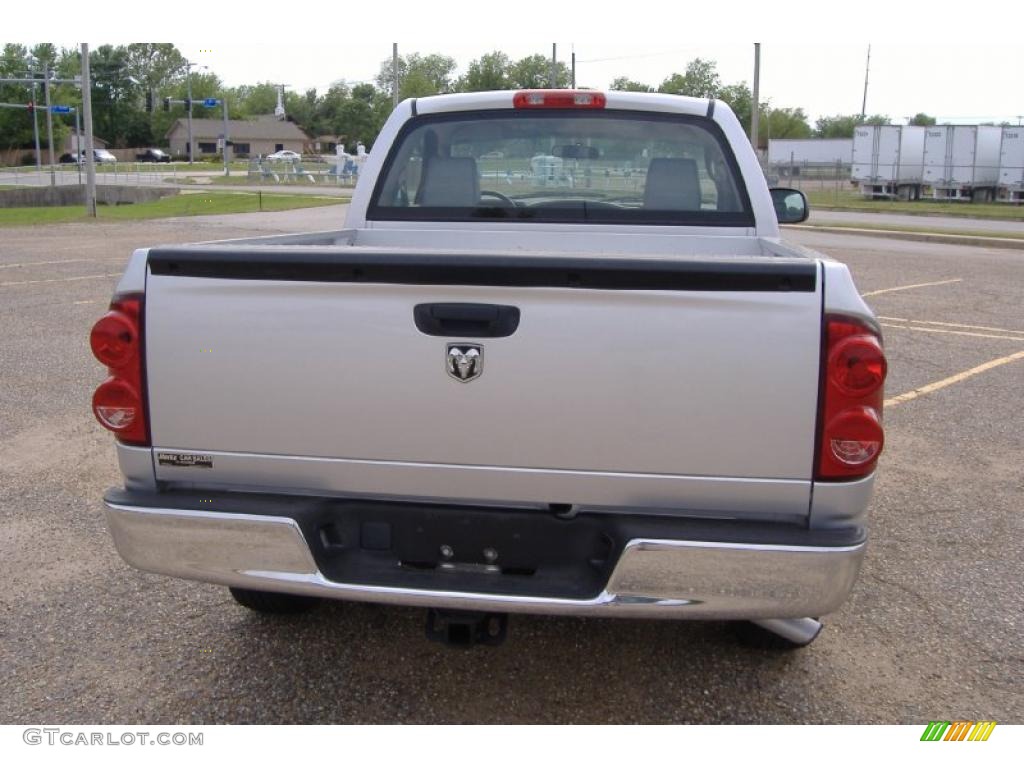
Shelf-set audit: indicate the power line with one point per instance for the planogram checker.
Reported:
(635, 56)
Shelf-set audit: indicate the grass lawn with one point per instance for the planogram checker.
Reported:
(188, 204)
(844, 200)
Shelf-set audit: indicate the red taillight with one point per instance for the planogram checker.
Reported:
(113, 339)
(559, 99)
(857, 365)
(116, 341)
(850, 415)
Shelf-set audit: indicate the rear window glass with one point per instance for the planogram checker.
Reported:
(562, 166)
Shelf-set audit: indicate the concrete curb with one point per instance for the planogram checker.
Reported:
(921, 237)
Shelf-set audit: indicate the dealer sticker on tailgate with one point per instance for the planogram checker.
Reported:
(185, 460)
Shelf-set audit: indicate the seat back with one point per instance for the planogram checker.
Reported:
(450, 182)
(673, 184)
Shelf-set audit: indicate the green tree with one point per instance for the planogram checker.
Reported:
(357, 122)
(45, 53)
(302, 109)
(922, 119)
(740, 101)
(356, 115)
(15, 124)
(418, 75)
(625, 84)
(700, 80)
(253, 100)
(841, 126)
(491, 72)
(155, 66)
(115, 96)
(535, 72)
(784, 123)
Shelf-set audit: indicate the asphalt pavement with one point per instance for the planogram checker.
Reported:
(932, 630)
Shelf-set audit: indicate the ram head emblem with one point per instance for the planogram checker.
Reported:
(464, 362)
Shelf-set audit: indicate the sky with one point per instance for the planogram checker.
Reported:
(956, 61)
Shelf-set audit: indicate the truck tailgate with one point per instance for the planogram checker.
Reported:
(299, 362)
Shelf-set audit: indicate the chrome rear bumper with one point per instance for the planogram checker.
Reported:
(653, 578)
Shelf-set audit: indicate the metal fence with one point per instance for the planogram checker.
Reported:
(824, 180)
(129, 174)
(315, 171)
(243, 173)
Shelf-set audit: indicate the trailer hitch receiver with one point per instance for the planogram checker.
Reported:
(463, 629)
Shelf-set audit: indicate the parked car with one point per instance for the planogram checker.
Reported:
(284, 154)
(622, 399)
(153, 156)
(102, 156)
(98, 156)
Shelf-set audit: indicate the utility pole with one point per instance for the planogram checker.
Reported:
(553, 81)
(49, 122)
(90, 166)
(864, 103)
(574, 67)
(755, 107)
(35, 129)
(394, 74)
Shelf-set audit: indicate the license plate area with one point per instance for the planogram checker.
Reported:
(473, 549)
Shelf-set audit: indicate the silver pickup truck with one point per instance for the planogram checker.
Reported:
(559, 362)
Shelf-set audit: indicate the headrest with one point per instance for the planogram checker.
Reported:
(450, 182)
(673, 184)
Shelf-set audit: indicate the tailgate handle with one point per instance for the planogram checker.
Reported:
(480, 320)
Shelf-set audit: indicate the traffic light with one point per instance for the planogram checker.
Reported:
(167, 104)
(149, 101)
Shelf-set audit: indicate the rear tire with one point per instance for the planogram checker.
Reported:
(273, 602)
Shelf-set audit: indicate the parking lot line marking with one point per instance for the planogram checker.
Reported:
(948, 325)
(908, 287)
(87, 301)
(58, 261)
(937, 385)
(58, 280)
(953, 333)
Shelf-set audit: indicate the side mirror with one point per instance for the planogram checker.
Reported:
(790, 205)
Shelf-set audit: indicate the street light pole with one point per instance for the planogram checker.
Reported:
(756, 106)
(35, 130)
(394, 75)
(188, 78)
(78, 144)
(49, 123)
(224, 103)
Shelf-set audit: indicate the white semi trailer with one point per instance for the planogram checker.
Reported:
(1011, 166)
(961, 162)
(888, 160)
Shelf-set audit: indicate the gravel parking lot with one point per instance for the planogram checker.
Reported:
(932, 631)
